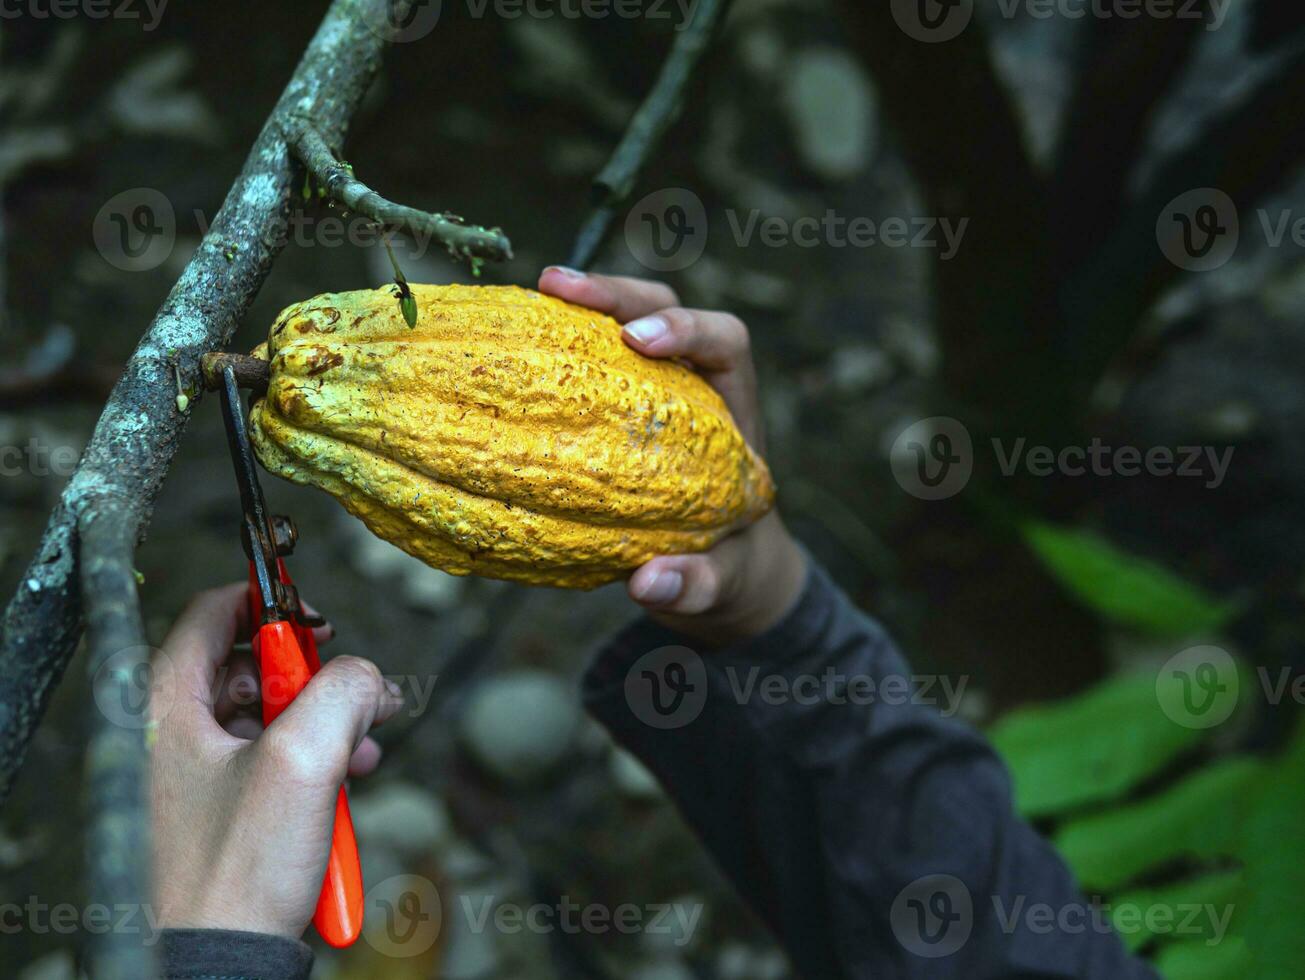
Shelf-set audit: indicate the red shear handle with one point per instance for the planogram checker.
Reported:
(284, 668)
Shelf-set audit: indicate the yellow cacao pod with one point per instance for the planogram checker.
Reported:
(508, 434)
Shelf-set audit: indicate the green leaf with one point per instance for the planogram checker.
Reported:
(1092, 748)
(1201, 819)
(1202, 908)
(1124, 588)
(1273, 846)
(1197, 960)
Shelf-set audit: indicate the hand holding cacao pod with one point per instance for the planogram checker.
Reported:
(509, 434)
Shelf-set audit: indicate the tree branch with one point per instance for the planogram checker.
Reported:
(117, 778)
(617, 180)
(138, 432)
(462, 240)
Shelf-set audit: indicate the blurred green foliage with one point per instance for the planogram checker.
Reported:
(1091, 749)
(1202, 873)
(1124, 589)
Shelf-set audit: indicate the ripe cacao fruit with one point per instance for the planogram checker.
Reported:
(509, 434)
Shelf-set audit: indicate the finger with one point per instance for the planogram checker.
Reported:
(297, 767)
(363, 762)
(201, 639)
(710, 341)
(365, 758)
(618, 296)
(689, 584)
(314, 738)
(718, 345)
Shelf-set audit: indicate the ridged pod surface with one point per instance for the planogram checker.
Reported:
(509, 434)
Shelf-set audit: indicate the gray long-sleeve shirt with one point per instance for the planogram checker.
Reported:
(876, 837)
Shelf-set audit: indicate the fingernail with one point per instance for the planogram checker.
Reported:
(396, 692)
(649, 330)
(567, 271)
(665, 587)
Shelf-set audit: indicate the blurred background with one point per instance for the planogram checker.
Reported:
(957, 233)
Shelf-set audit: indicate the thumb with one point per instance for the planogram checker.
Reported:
(689, 585)
(313, 738)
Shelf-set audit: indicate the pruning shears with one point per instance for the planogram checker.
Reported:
(286, 655)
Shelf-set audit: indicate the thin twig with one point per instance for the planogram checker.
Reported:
(117, 778)
(461, 239)
(616, 182)
(137, 434)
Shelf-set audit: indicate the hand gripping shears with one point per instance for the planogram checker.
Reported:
(286, 655)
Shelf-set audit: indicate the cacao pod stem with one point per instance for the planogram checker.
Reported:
(251, 372)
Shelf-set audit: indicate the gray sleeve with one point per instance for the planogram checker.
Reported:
(221, 954)
(876, 837)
